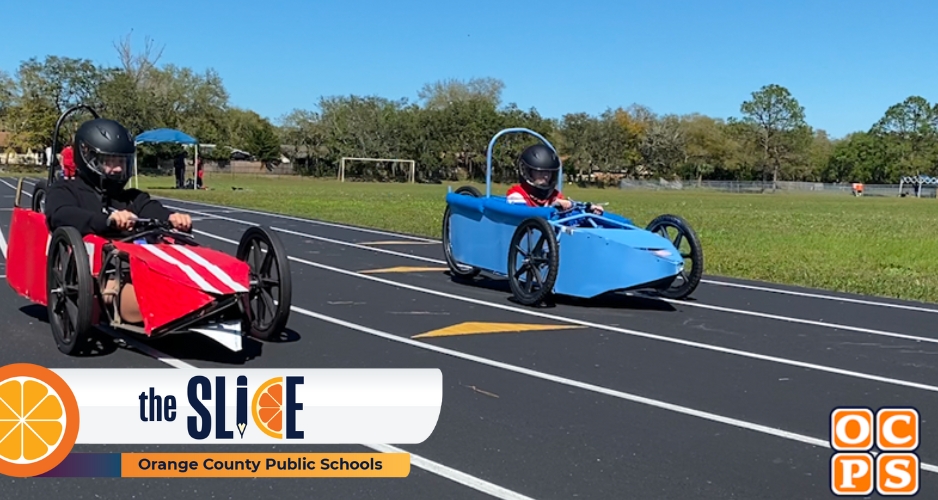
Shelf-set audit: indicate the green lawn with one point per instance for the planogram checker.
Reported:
(877, 246)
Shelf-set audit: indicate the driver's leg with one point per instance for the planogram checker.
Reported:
(130, 310)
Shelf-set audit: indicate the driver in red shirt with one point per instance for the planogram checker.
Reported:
(538, 173)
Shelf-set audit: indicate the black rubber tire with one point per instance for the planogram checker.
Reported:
(460, 272)
(552, 260)
(67, 245)
(39, 196)
(268, 329)
(685, 231)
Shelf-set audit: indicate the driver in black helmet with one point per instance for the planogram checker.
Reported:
(538, 173)
(97, 203)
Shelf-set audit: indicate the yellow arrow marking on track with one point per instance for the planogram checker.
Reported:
(405, 269)
(478, 328)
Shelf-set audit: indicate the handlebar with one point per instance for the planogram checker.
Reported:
(146, 224)
(152, 224)
(577, 206)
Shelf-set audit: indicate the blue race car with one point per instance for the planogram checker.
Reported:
(545, 251)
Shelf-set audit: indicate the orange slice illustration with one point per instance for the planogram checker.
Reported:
(267, 408)
(38, 420)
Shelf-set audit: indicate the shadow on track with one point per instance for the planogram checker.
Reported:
(195, 347)
(185, 346)
(99, 343)
(612, 300)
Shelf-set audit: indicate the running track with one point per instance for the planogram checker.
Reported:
(726, 396)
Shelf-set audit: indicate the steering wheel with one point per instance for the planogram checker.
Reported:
(578, 207)
(148, 224)
(144, 228)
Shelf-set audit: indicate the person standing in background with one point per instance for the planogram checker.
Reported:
(179, 165)
(199, 171)
(68, 162)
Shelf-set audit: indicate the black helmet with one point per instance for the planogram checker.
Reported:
(539, 170)
(101, 145)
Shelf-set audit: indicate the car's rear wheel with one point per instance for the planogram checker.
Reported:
(272, 289)
(70, 289)
(680, 233)
(535, 243)
(458, 270)
(39, 197)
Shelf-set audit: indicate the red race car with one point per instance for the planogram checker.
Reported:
(180, 286)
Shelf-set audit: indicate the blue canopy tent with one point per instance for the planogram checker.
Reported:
(168, 135)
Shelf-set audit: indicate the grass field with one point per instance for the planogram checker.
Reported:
(878, 246)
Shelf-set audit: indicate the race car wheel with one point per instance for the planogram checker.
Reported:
(533, 250)
(682, 235)
(272, 290)
(70, 289)
(458, 271)
(39, 197)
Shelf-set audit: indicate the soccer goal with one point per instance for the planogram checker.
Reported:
(395, 163)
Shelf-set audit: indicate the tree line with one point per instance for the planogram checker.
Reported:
(446, 131)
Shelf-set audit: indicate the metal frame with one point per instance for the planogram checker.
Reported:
(491, 147)
(54, 161)
(413, 166)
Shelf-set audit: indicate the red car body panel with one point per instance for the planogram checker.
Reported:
(28, 239)
(170, 281)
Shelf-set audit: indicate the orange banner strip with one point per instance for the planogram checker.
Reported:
(265, 464)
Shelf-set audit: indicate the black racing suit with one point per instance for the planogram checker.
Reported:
(83, 206)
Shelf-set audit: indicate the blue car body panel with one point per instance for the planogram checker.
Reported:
(593, 260)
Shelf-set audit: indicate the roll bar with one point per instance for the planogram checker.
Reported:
(54, 161)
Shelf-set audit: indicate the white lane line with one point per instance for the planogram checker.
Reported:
(14, 188)
(146, 349)
(835, 326)
(705, 280)
(635, 333)
(313, 237)
(356, 245)
(865, 302)
(822, 324)
(457, 476)
(3, 245)
(299, 219)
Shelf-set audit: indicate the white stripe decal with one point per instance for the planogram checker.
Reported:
(212, 268)
(89, 249)
(194, 276)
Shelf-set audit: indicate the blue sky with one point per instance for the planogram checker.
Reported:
(846, 62)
